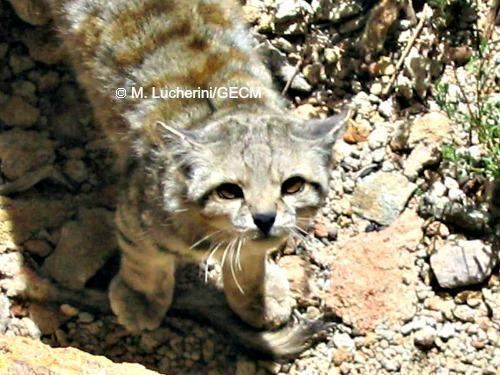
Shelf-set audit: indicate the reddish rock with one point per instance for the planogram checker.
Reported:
(373, 275)
(356, 132)
(20, 355)
(320, 230)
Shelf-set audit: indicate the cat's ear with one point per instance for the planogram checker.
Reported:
(324, 131)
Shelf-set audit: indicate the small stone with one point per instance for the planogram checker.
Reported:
(307, 111)
(332, 55)
(291, 9)
(450, 183)
(464, 313)
(245, 367)
(382, 196)
(383, 67)
(378, 138)
(446, 331)
(463, 263)
(85, 317)
(23, 151)
(76, 170)
(69, 310)
(376, 88)
(478, 344)
(314, 73)
(299, 82)
(320, 230)
(492, 300)
(436, 228)
(423, 155)
(341, 355)
(344, 341)
(433, 127)
(20, 63)
(34, 12)
(84, 247)
(456, 194)
(48, 81)
(356, 132)
(18, 112)
(25, 89)
(332, 234)
(425, 337)
(44, 46)
(39, 248)
(386, 108)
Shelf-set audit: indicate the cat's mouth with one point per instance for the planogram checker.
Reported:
(275, 235)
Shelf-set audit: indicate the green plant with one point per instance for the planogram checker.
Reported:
(481, 113)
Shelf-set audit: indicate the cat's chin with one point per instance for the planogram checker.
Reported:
(272, 238)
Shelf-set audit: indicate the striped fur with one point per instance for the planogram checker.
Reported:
(176, 154)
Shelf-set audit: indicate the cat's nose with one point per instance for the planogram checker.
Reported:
(264, 221)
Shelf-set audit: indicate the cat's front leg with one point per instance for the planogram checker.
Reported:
(258, 291)
(141, 293)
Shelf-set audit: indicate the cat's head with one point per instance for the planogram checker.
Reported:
(257, 176)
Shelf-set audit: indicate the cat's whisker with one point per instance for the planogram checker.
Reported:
(302, 231)
(296, 235)
(205, 238)
(231, 265)
(209, 258)
(238, 253)
(224, 254)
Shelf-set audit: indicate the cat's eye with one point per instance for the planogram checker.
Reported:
(293, 185)
(229, 191)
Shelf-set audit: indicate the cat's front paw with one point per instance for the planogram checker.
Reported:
(134, 310)
(272, 306)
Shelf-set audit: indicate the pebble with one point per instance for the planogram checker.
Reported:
(85, 317)
(69, 310)
(425, 337)
(343, 340)
(245, 367)
(463, 263)
(386, 108)
(76, 170)
(446, 331)
(39, 248)
(20, 63)
(464, 313)
(18, 112)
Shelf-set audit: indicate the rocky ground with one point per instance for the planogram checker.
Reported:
(404, 254)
